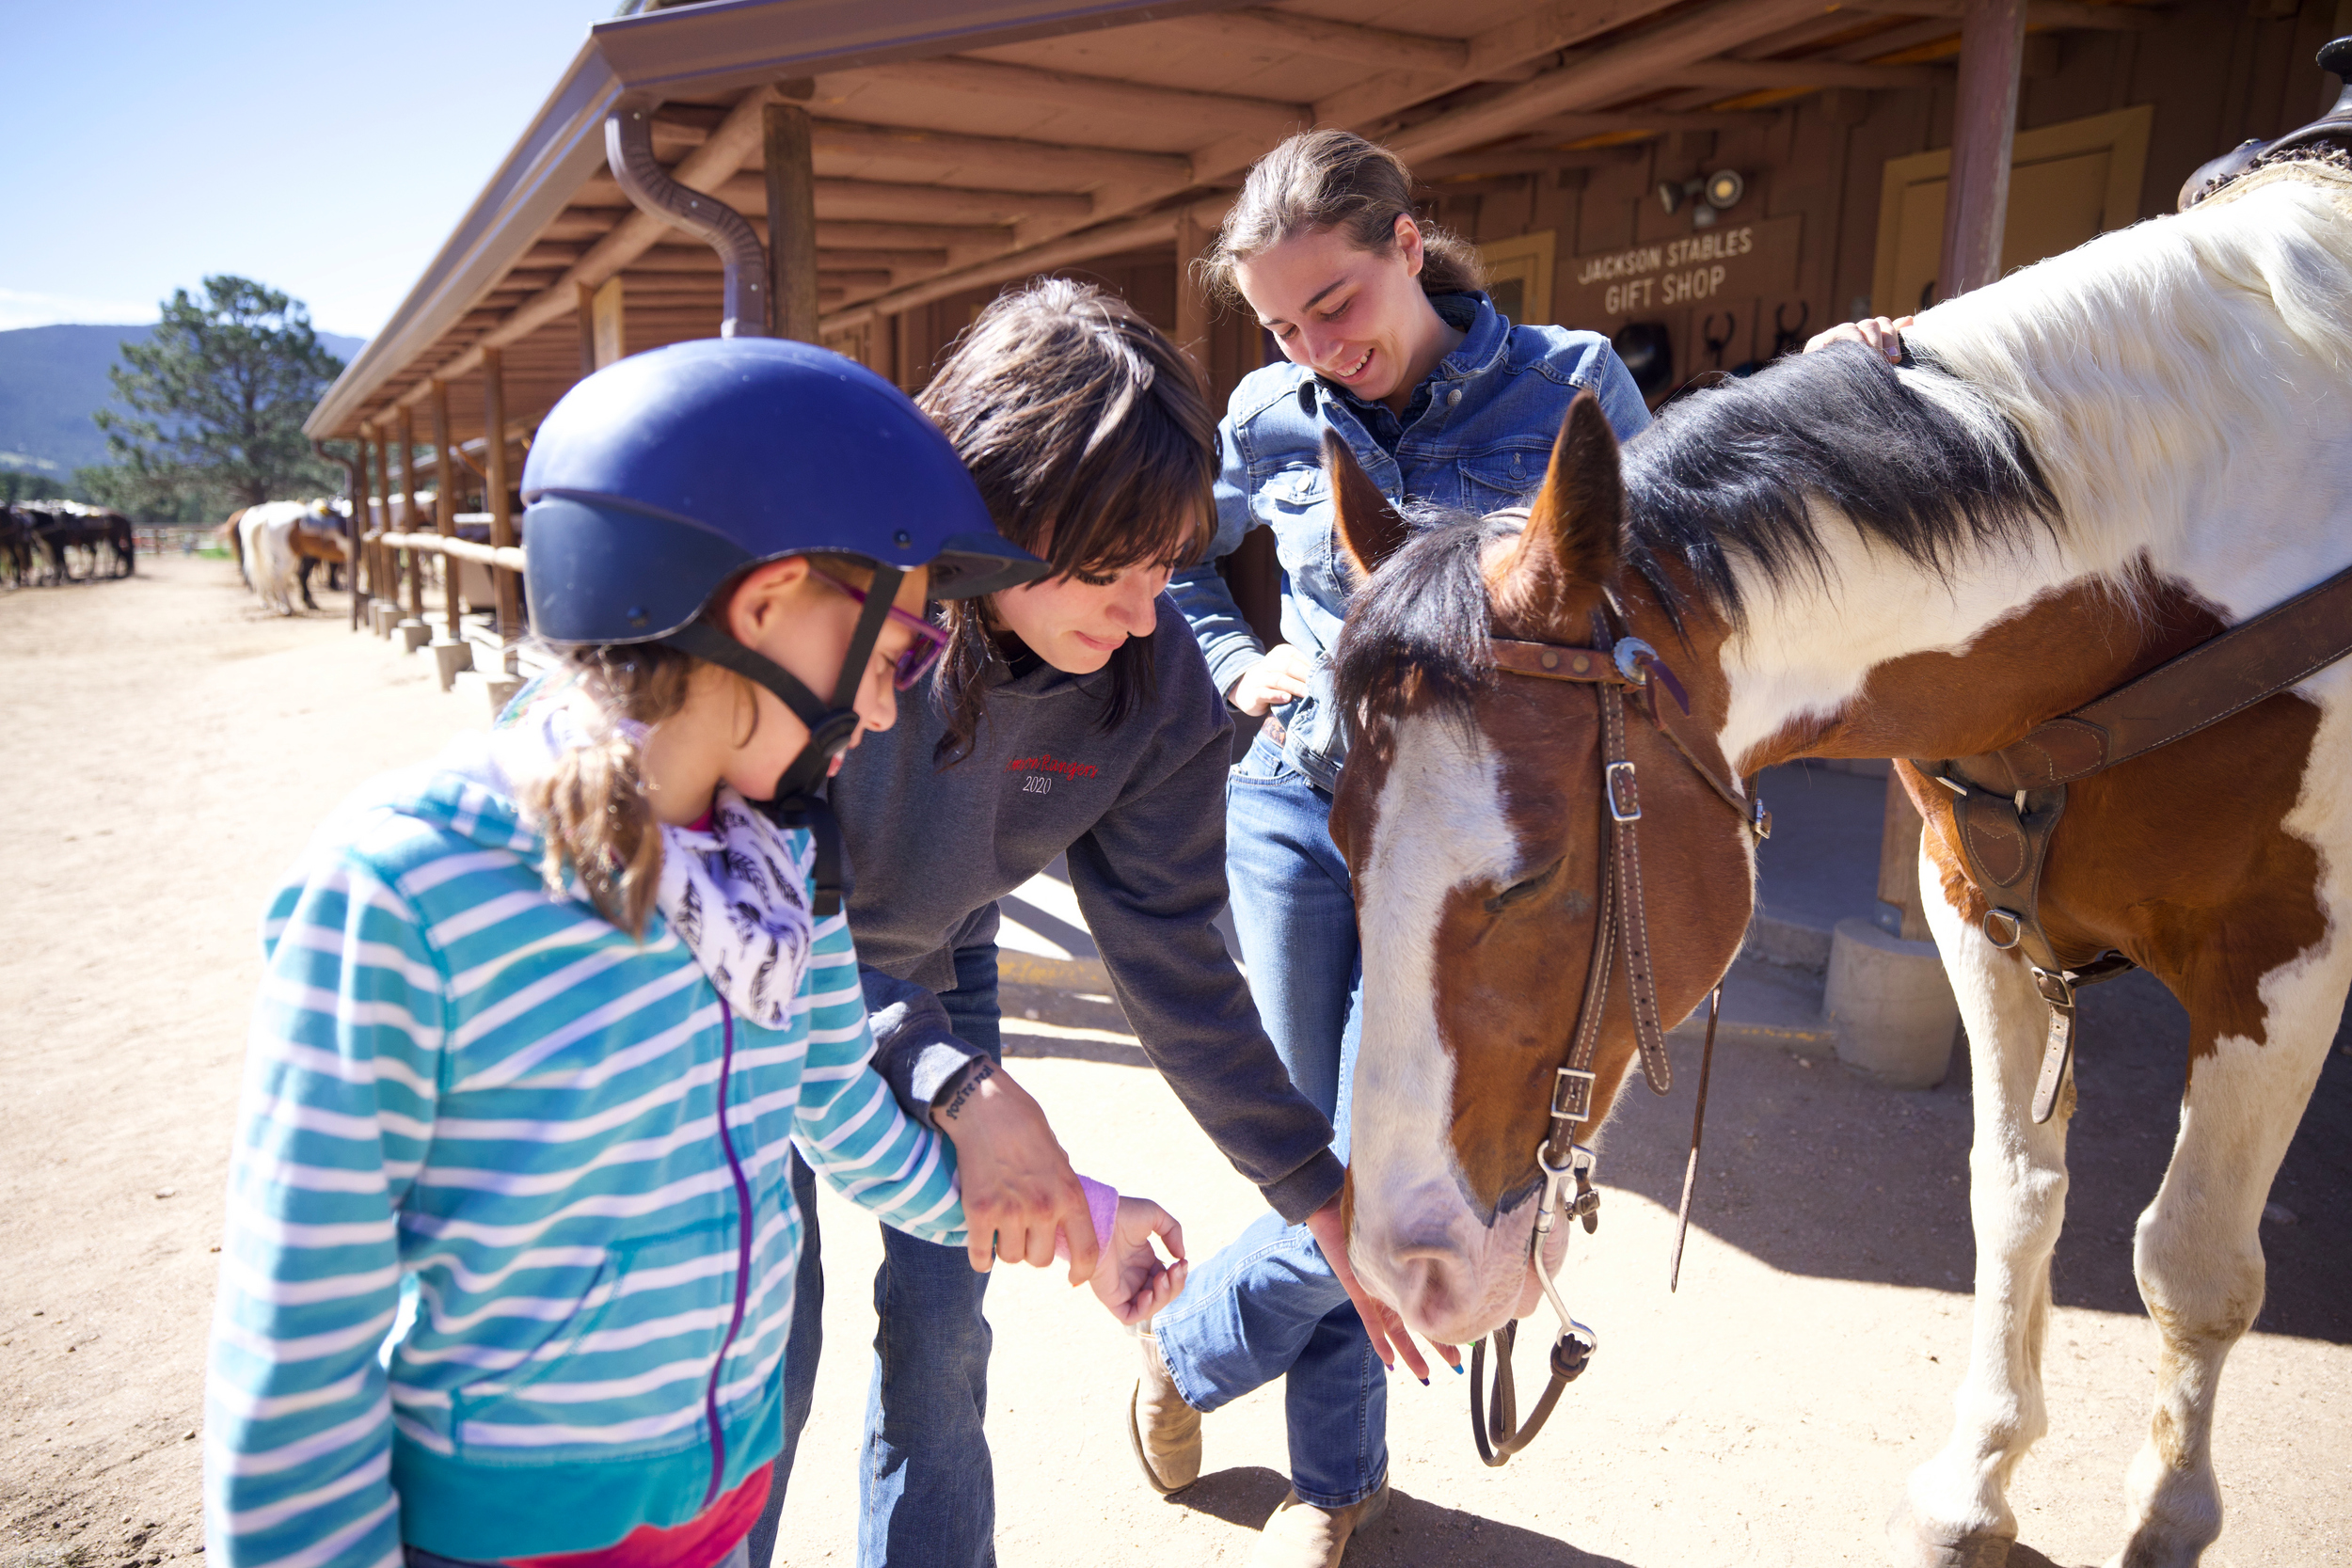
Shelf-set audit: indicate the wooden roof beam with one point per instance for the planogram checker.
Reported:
(1604, 76)
(1443, 174)
(1566, 127)
(1536, 32)
(887, 201)
(828, 259)
(936, 152)
(917, 235)
(2039, 13)
(708, 166)
(1223, 113)
(1758, 75)
(1332, 41)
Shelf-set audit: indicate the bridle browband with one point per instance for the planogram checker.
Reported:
(1613, 666)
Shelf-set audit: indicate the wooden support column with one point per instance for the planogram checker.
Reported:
(445, 507)
(382, 586)
(791, 223)
(587, 297)
(412, 566)
(1899, 860)
(1193, 239)
(494, 479)
(1984, 123)
(362, 518)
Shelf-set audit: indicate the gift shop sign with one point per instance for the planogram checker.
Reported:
(1731, 261)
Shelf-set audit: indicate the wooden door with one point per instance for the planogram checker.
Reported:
(2067, 182)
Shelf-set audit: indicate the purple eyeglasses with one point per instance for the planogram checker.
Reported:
(930, 642)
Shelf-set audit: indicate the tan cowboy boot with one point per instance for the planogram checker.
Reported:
(1300, 1536)
(1165, 1430)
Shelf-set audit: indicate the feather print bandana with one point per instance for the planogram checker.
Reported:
(735, 890)
(737, 894)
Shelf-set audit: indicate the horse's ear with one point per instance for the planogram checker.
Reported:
(1370, 531)
(1574, 539)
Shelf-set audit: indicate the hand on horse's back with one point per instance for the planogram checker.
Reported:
(1876, 332)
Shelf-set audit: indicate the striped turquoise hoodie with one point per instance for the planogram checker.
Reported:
(496, 1282)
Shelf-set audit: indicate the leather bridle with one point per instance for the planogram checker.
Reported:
(1613, 666)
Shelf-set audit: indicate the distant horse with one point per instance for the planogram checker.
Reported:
(323, 535)
(263, 536)
(2080, 472)
(57, 526)
(278, 543)
(16, 546)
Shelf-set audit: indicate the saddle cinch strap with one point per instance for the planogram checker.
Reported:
(2006, 805)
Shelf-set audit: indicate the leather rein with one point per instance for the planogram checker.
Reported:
(1612, 667)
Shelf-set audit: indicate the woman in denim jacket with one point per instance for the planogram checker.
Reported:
(1389, 344)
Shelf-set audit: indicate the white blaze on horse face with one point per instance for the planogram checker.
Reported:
(1416, 1244)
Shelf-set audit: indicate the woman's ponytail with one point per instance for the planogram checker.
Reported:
(1334, 179)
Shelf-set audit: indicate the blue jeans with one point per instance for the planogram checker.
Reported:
(927, 1488)
(1268, 1305)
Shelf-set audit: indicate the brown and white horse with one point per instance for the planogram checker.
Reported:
(2088, 468)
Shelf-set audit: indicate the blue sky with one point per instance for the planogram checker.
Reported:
(325, 149)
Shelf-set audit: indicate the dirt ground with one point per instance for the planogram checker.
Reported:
(168, 749)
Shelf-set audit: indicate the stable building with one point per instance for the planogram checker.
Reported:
(1709, 181)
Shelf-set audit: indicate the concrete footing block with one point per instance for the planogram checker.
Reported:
(501, 688)
(414, 634)
(378, 622)
(449, 657)
(1891, 1005)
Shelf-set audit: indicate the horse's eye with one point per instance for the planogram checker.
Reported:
(1526, 889)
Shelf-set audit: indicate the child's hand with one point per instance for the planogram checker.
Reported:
(1129, 1280)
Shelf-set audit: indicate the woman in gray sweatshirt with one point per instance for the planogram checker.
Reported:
(1075, 718)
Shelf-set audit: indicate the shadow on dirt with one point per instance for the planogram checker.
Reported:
(1412, 1532)
(1819, 1172)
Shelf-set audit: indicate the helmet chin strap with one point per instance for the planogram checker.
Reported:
(799, 801)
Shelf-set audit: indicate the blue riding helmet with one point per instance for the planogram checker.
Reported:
(659, 478)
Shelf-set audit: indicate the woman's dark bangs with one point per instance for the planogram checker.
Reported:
(1136, 509)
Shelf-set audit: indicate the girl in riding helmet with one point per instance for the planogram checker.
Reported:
(511, 1245)
(1390, 345)
(1071, 715)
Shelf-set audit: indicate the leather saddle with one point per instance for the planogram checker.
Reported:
(2331, 131)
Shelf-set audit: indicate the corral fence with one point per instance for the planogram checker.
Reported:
(476, 585)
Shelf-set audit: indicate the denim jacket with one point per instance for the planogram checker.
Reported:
(1477, 434)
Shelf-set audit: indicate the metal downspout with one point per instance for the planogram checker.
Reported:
(628, 149)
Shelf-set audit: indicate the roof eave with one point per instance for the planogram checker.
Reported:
(562, 146)
(707, 48)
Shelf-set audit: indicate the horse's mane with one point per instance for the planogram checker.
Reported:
(2060, 407)
(1743, 474)
(1747, 472)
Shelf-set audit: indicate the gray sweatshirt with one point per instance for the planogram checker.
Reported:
(1140, 811)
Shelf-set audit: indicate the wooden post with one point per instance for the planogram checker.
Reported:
(1898, 860)
(381, 587)
(791, 224)
(1193, 239)
(586, 298)
(412, 565)
(493, 478)
(445, 507)
(1984, 123)
(362, 487)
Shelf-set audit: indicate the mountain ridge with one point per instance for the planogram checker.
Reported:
(53, 378)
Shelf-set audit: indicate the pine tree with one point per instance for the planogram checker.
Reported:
(223, 386)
